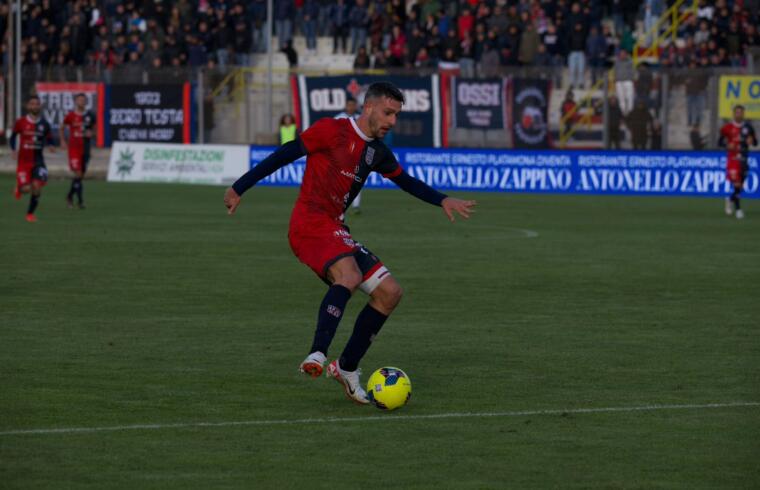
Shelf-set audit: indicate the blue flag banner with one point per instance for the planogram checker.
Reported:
(547, 171)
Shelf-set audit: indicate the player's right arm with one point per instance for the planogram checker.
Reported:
(287, 153)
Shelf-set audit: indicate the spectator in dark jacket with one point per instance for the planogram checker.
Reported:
(284, 12)
(614, 120)
(361, 62)
(358, 20)
(339, 18)
(596, 51)
(310, 16)
(576, 60)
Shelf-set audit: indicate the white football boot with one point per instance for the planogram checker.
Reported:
(729, 207)
(350, 381)
(313, 363)
(739, 214)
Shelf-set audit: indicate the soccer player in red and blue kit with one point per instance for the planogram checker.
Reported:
(341, 153)
(737, 136)
(29, 136)
(81, 123)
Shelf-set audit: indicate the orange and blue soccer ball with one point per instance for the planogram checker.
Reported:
(389, 388)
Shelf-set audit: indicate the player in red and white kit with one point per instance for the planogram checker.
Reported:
(81, 124)
(30, 135)
(737, 136)
(341, 153)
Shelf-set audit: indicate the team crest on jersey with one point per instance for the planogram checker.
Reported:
(369, 156)
(40, 128)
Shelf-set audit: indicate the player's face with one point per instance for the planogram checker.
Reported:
(383, 113)
(33, 107)
(81, 103)
(738, 114)
(350, 107)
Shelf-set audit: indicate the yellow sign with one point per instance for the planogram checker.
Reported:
(739, 90)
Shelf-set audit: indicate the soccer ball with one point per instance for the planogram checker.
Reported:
(389, 388)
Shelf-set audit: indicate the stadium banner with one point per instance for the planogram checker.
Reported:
(187, 164)
(739, 90)
(478, 104)
(550, 171)
(149, 113)
(530, 118)
(57, 99)
(419, 124)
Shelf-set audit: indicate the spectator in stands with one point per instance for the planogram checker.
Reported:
(358, 21)
(614, 120)
(596, 52)
(379, 60)
(542, 58)
(242, 43)
(339, 18)
(423, 60)
(465, 53)
(576, 60)
(397, 45)
(639, 121)
(568, 110)
(222, 42)
(288, 128)
(624, 76)
(284, 12)
(290, 54)
(696, 139)
(529, 41)
(310, 15)
(696, 88)
(362, 61)
(653, 10)
(656, 136)
(449, 61)
(465, 23)
(433, 44)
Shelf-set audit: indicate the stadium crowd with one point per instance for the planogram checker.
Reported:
(578, 34)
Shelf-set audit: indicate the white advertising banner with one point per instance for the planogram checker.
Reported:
(187, 164)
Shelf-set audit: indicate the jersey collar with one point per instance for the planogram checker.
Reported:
(359, 131)
(31, 120)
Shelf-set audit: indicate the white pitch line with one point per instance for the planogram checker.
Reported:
(375, 418)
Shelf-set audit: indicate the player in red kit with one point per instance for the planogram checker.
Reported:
(737, 136)
(29, 136)
(81, 124)
(341, 153)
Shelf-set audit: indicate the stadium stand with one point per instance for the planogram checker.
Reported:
(154, 33)
(576, 41)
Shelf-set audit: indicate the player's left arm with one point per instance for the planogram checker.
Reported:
(752, 136)
(422, 191)
(287, 153)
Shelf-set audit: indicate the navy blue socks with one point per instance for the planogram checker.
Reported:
(368, 324)
(330, 313)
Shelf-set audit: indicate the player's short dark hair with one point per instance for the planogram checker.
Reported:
(739, 106)
(80, 94)
(32, 97)
(384, 89)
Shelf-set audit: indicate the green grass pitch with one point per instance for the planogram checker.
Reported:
(155, 307)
